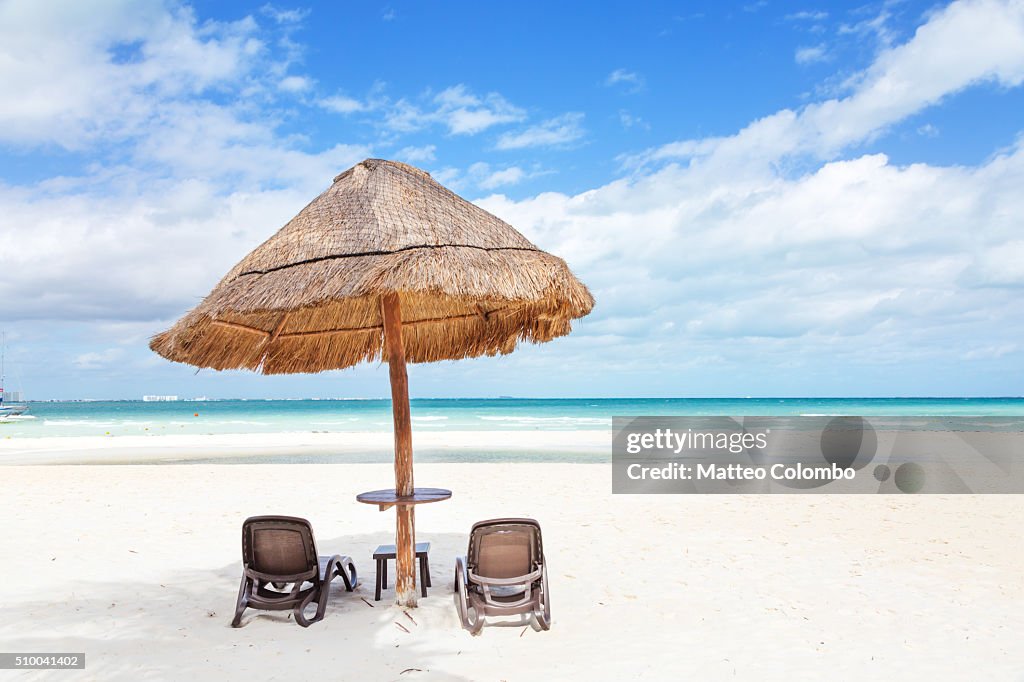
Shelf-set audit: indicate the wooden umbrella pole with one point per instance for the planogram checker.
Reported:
(405, 525)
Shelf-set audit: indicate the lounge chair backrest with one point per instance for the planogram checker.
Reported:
(505, 548)
(279, 546)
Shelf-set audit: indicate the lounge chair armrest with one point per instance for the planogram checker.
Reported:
(334, 566)
(518, 580)
(272, 578)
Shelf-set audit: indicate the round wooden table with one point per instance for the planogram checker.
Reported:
(386, 499)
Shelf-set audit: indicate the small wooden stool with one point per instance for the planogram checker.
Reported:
(385, 552)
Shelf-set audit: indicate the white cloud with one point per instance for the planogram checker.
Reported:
(99, 360)
(876, 27)
(467, 114)
(341, 104)
(144, 254)
(284, 16)
(490, 179)
(78, 73)
(180, 175)
(482, 175)
(295, 83)
(457, 108)
(811, 54)
(858, 254)
(904, 79)
(417, 154)
(448, 176)
(856, 261)
(807, 15)
(556, 131)
(986, 352)
(629, 120)
(623, 77)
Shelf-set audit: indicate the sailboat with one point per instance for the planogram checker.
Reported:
(8, 411)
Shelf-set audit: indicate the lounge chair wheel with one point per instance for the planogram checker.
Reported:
(461, 593)
(544, 616)
(470, 617)
(476, 625)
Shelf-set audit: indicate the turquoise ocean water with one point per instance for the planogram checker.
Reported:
(123, 418)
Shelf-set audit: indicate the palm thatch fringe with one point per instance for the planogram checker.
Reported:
(308, 299)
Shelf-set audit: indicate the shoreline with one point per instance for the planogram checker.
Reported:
(308, 447)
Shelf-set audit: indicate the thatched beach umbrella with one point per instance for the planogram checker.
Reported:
(385, 265)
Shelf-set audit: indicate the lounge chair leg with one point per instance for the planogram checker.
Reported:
(423, 578)
(243, 601)
(298, 611)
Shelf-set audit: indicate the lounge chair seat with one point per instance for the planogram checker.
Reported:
(278, 551)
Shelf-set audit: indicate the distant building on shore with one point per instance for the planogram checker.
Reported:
(159, 398)
(13, 396)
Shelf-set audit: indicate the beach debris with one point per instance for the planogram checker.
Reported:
(402, 627)
(523, 632)
(411, 670)
(211, 614)
(410, 618)
(368, 603)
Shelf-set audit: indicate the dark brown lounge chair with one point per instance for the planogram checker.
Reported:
(502, 574)
(278, 551)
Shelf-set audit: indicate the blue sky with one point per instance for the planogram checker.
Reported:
(766, 198)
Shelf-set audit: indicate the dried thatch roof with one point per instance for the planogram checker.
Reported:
(308, 299)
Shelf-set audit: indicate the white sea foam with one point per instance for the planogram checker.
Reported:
(547, 420)
(79, 422)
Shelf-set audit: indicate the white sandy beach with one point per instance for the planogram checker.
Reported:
(138, 567)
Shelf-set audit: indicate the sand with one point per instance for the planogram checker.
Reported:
(138, 566)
